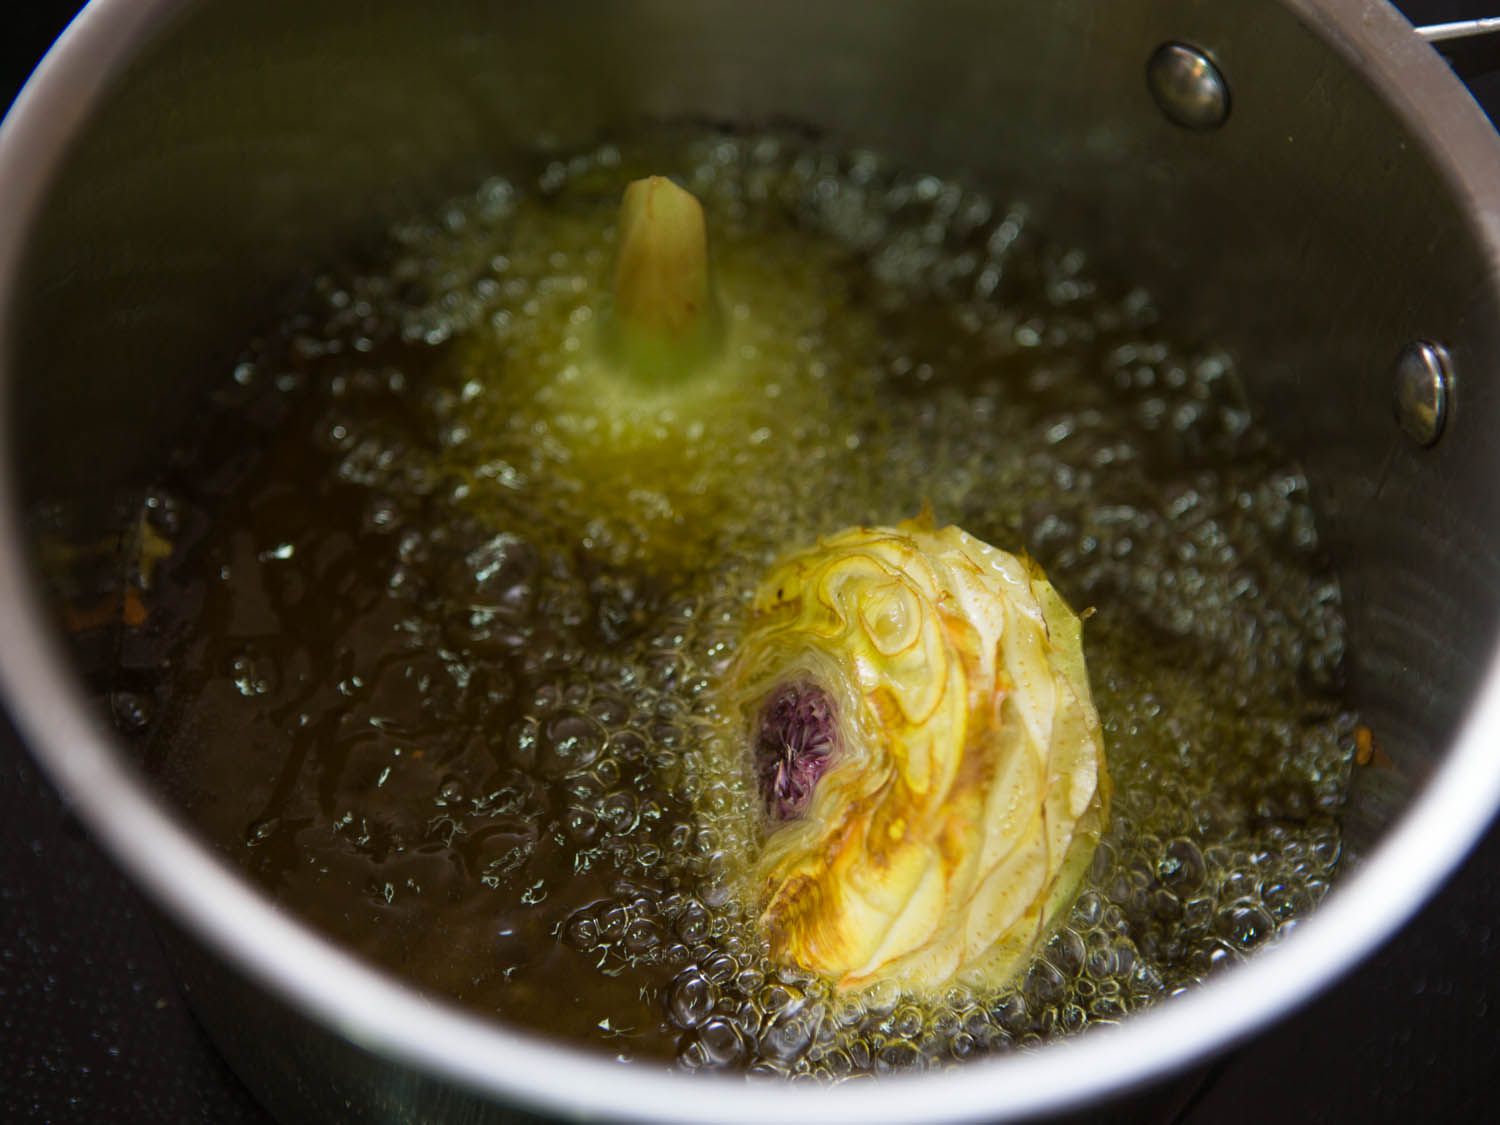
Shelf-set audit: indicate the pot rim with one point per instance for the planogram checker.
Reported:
(380, 1014)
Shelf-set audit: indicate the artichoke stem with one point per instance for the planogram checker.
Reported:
(666, 323)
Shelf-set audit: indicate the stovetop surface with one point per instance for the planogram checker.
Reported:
(93, 1029)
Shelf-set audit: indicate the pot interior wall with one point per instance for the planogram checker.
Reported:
(1312, 235)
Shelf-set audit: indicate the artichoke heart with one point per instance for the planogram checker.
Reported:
(926, 746)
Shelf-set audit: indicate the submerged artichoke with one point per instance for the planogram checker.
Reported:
(928, 754)
(644, 396)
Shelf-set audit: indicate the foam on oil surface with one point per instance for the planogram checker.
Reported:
(449, 635)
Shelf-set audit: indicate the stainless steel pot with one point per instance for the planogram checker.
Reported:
(172, 163)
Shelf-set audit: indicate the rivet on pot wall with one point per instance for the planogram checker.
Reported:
(1424, 384)
(1188, 87)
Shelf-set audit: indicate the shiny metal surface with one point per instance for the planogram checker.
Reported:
(172, 165)
(1188, 87)
(1459, 29)
(1424, 377)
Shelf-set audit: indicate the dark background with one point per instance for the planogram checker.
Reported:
(92, 1028)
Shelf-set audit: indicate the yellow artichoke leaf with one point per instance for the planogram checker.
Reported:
(910, 940)
(1033, 697)
(1007, 892)
(1013, 794)
(915, 910)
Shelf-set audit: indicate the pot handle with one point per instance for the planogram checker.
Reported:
(1472, 47)
(1459, 30)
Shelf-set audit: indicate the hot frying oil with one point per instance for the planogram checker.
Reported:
(450, 630)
